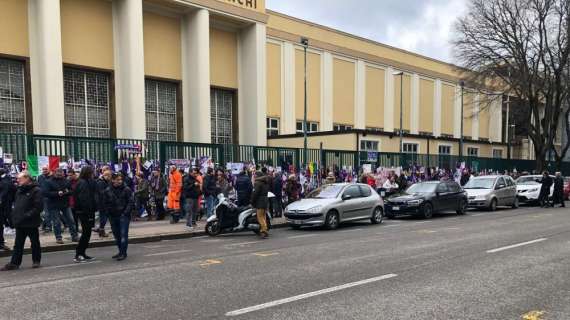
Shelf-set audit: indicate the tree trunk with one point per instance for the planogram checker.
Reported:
(540, 161)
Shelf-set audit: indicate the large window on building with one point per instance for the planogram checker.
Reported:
(160, 107)
(444, 150)
(86, 95)
(341, 127)
(368, 145)
(498, 153)
(472, 152)
(311, 127)
(12, 104)
(410, 148)
(221, 110)
(272, 127)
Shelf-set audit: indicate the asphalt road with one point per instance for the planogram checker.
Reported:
(508, 264)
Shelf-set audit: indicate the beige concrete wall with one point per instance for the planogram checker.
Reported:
(313, 85)
(162, 46)
(434, 146)
(223, 59)
(87, 33)
(407, 83)
(274, 80)
(447, 109)
(14, 27)
(468, 108)
(344, 77)
(337, 142)
(426, 105)
(484, 119)
(375, 81)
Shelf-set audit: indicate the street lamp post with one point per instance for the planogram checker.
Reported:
(510, 136)
(401, 74)
(462, 84)
(305, 43)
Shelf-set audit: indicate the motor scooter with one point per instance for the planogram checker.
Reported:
(228, 217)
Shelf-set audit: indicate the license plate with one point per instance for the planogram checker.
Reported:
(297, 222)
(396, 208)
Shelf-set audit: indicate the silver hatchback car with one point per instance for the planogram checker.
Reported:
(333, 204)
(488, 192)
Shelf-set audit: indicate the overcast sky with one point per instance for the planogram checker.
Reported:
(421, 26)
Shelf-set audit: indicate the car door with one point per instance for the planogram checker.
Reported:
(443, 197)
(511, 192)
(351, 203)
(456, 194)
(368, 201)
(501, 191)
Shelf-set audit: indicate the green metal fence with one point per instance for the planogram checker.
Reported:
(104, 150)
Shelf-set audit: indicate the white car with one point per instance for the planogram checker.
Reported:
(528, 188)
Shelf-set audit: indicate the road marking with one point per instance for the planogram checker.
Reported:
(420, 222)
(533, 315)
(243, 243)
(307, 295)
(392, 225)
(266, 254)
(476, 215)
(212, 240)
(301, 236)
(516, 245)
(210, 262)
(452, 228)
(350, 230)
(166, 253)
(71, 265)
(154, 247)
(425, 231)
(201, 237)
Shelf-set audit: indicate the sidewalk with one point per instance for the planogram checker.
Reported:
(139, 232)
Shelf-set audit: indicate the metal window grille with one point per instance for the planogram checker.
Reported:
(160, 108)
(367, 145)
(311, 127)
(86, 95)
(445, 150)
(221, 110)
(410, 148)
(12, 97)
(473, 152)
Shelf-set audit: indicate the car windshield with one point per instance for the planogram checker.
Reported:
(422, 188)
(326, 192)
(529, 180)
(480, 183)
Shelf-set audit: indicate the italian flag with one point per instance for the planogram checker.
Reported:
(36, 163)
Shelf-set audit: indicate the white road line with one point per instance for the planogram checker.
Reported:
(392, 225)
(243, 243)
(201, 237)
(516, 245)
(477, 214)
(166, 253)
(71, 265)
(307, 295)
(301, 236)
(350, 230)
(421, 222)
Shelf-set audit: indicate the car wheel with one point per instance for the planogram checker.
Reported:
(462, 207)
(427, 211)
(516, 203)
(331, 221)
(377, 216)
(493, 205)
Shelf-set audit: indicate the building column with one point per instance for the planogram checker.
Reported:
(128, 46)
(289, 116)
(415, 107)
(46, 67)
(437, 108)
(327, 93)
(360, 96)
(252, 85)
(196, 76)
(474, 118)
(457, 113)
(389, 100)
(495, 126)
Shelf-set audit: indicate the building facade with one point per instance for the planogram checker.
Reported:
(230, 72)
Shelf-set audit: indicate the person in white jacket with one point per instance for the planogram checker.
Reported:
(390, 185)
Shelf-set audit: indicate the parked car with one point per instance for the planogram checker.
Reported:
(426, 198)
(333, 204)
(528, 188)
(489, 192)
(566, 188)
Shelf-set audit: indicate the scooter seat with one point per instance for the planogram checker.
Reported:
(243, 208)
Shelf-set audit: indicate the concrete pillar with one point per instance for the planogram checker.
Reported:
(289, 122)
(389, 100)
(327, 93)
(415, 107)
(196, 76)
(437, 109)
(457, 113)
(252, 85)
(360, 96)
(129, 68)
(475, 118)
(46, 67)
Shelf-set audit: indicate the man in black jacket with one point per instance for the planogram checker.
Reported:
(558, 195)
(57, 191)
(260, 201)
(102, 184)
(7, 193)
(42, 183)
(86, 199)
(26, 218)
(243, 188)
(118, 203)
(210, 191)
(546, 183)
(191, 191)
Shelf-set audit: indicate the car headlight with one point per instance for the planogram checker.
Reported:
(415, 202)
(533, 190)
(316, 209)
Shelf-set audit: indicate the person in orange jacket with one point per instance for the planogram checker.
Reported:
(174, 193)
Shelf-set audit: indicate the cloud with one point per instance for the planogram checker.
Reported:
(423, 27)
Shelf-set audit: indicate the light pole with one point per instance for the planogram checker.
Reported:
(462, 84)
(305, 43)
(509, 138)
(401, 74)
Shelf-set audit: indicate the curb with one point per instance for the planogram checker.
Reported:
(136, 240)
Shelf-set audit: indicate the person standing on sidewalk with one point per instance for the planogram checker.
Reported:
(57, 192)
(191, 190)
(102, 184)
(73, 179)
(210, 191)
(7, 193)
(142, 194)
(558, 196)
(42, 182)
(277, 189)
(174, 193)
(26, 218)
(243, 188)
(546, 183)
(86, 197)
(118, 203)
(158, 191)
(260, 202)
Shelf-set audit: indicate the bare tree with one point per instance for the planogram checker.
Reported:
(521, 48)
